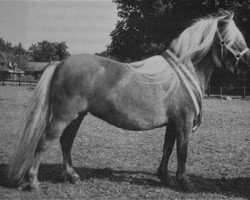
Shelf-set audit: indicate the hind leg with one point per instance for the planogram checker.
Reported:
(66, 141)
(30, 180)
(55, 129)
(162, 171)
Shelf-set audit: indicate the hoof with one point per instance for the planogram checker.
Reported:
(166, 179)
(26, 186)
(72, 177)
(185, 185)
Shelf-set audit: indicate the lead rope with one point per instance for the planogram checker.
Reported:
(237, 55)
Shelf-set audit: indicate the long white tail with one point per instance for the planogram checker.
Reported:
(33, 127)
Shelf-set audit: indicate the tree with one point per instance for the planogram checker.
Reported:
(19, 50)
(5, 46)
(48, 51)
(21, 61)
(14, 53)
(146, 28)
(61, 50)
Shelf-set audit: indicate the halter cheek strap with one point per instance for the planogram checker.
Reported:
(236, 54)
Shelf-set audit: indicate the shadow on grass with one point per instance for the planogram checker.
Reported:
(237, 187)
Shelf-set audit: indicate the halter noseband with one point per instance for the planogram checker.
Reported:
(236, 54)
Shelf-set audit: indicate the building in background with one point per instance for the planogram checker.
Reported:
(35, 68)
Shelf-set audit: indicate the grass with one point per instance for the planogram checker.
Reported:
(118, 164)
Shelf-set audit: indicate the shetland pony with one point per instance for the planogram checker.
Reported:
(159, 91)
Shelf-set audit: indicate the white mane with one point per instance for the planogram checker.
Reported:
(195, 41)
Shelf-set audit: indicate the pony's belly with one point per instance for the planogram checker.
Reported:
(136, 123)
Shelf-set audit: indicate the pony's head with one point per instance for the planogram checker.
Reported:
(216, 34)
(230, 49)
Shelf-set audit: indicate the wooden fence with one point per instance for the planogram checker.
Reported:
(30, 80)
(225, 91)
(18, 79)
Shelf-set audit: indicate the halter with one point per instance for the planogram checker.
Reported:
(236, 54)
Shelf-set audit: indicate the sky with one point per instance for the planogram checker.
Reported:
(85, 25)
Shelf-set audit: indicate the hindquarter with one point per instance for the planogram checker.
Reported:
(72, 86)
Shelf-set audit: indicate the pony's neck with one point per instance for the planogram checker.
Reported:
(204, 70)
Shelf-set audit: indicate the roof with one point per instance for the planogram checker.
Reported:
(36, 66)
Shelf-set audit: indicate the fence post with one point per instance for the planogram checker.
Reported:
(19, 79)
(2, 78)
(244, 92)
(13, 78)
(244, 86)
(208, 93)
(25, 80)
(221, 92)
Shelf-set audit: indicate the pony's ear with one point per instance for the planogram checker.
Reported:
(225, 15)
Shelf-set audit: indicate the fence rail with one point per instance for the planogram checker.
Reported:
(221, 91)
(18, 79)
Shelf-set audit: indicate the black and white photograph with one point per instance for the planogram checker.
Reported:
(124, 99)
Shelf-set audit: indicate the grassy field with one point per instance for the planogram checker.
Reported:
(118, 164)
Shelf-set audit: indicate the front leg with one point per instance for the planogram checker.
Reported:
(182, 149)
(169, 141)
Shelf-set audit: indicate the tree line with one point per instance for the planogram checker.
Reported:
(44, 51)
(146, 28)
